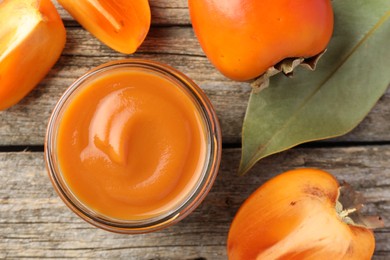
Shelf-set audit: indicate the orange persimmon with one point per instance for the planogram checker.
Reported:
(120, 24)
(244, 38)
(32, 37)
(302, 214)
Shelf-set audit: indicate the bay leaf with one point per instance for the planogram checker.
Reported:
(350, 78)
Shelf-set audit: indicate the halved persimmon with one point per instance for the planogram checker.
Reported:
(32, 37)
(120, 24)
(302, 214)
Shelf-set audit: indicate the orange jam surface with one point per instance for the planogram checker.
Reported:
(131, 145)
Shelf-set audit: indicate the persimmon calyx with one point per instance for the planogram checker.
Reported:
(348, 206)
(287, 67)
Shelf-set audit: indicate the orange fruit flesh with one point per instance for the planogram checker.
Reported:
(131, 145)
(122, 25)
(32, 37)
(293, 216)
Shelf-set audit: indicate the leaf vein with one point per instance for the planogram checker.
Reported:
(257, 156)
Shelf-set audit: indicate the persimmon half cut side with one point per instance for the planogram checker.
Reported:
(120, 24)
(302, 214)
(32, 37)
(244, 38)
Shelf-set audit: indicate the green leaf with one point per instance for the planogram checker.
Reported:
(350, 78)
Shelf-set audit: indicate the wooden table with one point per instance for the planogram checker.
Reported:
(34, 223)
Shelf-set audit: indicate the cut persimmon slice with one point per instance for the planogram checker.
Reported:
(120, 24)
(32, 37)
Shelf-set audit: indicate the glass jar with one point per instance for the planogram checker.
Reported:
(185, 204)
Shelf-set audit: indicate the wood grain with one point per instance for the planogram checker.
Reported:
(25, 123)
(34, 223)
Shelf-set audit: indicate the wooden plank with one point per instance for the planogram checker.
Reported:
(34, 223)
(164, 12)
(25, 123)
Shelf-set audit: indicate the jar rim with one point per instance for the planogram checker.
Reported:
(193, 199)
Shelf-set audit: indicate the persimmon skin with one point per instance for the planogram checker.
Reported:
(293, 216)
(243, 38)
(120, 24)
(32, 37)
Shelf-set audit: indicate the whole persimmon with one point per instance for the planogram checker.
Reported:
(32, 37)
(244, 38)
(302, 214)
(120, 24)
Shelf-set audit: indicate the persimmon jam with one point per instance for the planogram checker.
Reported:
(132, 144)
